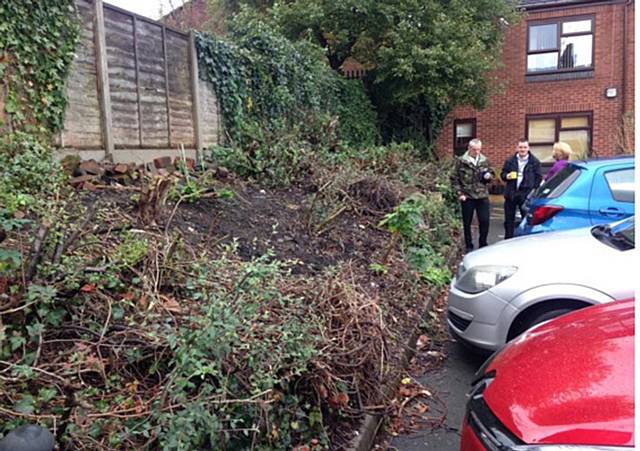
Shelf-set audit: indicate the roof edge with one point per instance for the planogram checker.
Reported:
(566, 3)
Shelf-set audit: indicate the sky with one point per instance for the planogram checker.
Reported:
(147, 8)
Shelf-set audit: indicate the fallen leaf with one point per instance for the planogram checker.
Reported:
(406, 392)
(423, 340)
(171, 305)
(323, 391)
(143, 301)
(88, 288)
(339, 400)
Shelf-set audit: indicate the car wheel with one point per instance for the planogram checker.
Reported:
(543, 317)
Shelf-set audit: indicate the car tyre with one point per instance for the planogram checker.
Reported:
(544, 316)
(541, 314)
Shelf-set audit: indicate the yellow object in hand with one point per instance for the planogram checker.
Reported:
(512, 175)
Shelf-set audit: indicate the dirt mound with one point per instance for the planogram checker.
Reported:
(376, 194)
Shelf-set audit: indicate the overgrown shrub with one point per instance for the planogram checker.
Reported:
(277, 97)
(424, 226)
(249, 343)
(37, 43)
(29, 173)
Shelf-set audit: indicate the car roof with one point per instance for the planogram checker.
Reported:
(603, 161)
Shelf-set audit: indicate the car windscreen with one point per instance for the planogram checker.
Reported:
(621, 236)
(559, 183)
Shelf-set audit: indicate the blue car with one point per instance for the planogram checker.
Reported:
(583, 194)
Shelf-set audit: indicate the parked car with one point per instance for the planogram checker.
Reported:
(583, 193)
(506, 288)
(565, 385)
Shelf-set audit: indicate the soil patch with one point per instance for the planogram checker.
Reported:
(262, 220)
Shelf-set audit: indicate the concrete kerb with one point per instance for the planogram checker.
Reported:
(371, 423)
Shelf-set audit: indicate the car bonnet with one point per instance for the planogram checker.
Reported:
(569, 381)
(541, 250)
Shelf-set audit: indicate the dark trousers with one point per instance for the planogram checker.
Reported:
(510, 205)
(482, 208)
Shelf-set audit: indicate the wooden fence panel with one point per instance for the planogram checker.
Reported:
(180, 98)
(122, 78)
(150, 90)
(151, 78)
(82, 127)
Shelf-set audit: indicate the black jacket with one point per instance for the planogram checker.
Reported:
(531, 176)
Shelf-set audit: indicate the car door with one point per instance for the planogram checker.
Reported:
(612, 194)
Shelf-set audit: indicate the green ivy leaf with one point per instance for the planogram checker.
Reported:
(26, 405)
(47, 394)
(17, 341)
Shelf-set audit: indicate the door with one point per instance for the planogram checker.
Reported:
(612, 194)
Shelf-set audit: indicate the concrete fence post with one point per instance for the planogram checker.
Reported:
(102, 70)
(195, 97)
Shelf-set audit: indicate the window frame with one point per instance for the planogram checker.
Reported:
(558, 120)
(460, 150)
(559, 21)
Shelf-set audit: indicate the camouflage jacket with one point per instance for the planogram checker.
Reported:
(467, 177)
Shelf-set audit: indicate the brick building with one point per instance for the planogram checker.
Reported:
(192, 14)
(568, 75)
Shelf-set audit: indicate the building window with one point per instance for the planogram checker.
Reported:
(464, 130)
(621, 184)
(574, 129)
(560, 45)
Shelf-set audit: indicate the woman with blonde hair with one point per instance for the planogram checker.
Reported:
(561, 153)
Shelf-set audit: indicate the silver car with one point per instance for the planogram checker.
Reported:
(504, 289)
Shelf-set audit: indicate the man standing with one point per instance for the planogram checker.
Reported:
(470, 180)
(521, 173)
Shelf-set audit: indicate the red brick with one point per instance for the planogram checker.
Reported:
(190, 162)
(162, 162)
(91, 167)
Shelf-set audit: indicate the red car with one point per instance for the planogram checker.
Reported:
(564, 385)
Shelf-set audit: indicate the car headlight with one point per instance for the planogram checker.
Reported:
(481, 278)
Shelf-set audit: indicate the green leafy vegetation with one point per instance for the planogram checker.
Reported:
(279, 101)
(422, 57)
(424, 226)
(37, 43)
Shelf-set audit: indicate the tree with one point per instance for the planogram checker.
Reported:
(423, 57)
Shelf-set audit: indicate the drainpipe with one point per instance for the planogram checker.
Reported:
(624, 59)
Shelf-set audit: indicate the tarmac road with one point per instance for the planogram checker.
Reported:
(452, 380)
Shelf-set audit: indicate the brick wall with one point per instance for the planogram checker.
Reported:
(503, 122)
(193, 14)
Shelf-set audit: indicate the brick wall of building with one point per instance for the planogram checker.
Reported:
(192, 15)
(503, 122)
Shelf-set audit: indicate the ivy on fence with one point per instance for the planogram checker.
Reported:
(37, 43)
(267, 84)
